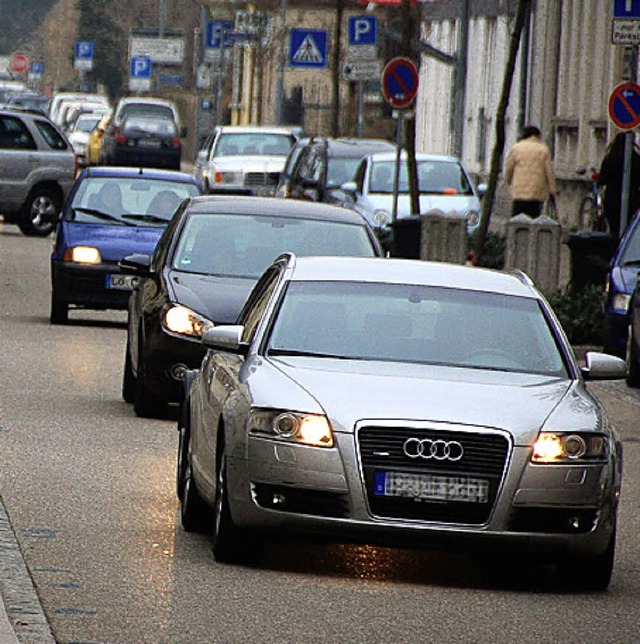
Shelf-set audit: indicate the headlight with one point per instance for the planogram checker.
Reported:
(552, 447)
(621, 302)
(183, 321)
(291, 426)
(82, 255)
(473, 218)
(381, 217)
(227, 177)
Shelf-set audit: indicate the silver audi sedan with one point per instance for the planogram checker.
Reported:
(402, 403)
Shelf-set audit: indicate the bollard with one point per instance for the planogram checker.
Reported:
(443, 236)
(533, 246)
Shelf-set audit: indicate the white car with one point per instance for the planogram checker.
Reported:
(79, 135)
(443, 181)
(245, 159)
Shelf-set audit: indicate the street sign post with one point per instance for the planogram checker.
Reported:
(140, 74)
(400, 82)
(83, 56)
(308, 48)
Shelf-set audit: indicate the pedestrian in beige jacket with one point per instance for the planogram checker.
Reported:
(529, 173)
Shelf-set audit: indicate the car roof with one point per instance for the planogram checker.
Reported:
(420, 156)
(414, 272)
(147, 173)
(273, 207)
(351, 147)
(252, 129)
(145, 99)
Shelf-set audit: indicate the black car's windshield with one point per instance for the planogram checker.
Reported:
(245, 245)
(135, 200)
(418, 324)
(434, 177)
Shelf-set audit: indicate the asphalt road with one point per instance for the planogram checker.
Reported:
(89, 491)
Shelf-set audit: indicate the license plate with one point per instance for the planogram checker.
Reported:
(431, 487)
(146, 143)
(121, 282)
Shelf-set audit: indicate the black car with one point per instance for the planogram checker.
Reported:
(144, 140)
(316, 168)
(207, 261)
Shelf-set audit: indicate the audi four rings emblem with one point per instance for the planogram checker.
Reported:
(438, 450)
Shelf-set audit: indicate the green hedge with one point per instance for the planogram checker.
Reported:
(581, 314)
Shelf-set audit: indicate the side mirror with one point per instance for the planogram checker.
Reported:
(136, 264)
(225, 338)
(482, 189)
(350, 187)
(202, 157)
(601, 366)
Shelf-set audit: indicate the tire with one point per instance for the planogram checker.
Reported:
(41, 202)
(59, 310)
(589, 573)
(183, 451)
(194, 512)
(146, 403)
(128, 379)
(633, 367)
(231, 544)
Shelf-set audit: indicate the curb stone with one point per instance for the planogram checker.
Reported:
(22, 619)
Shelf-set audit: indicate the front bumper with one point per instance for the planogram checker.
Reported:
(85, 285)
(322, 493)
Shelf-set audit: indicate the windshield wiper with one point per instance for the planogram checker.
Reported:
(103, 215)
(309, 354)
(152, 218)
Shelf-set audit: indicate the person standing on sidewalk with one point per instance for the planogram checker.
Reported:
(529, 174)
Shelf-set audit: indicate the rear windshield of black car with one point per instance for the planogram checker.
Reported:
(150, 125)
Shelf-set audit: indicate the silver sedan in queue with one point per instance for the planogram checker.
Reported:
(402, 403)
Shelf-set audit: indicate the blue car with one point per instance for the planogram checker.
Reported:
(621, 282)
(110, 213)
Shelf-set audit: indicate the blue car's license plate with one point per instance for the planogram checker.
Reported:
(120, 282)
(431, 487)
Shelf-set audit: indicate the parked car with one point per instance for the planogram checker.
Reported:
(443, 182)
(317, 169)
(244, 159)
(80, 134)
(28, 101)
(37, 170)
(61, 100)
(401, 402)
(206, 262)
(110, 213)
(620, 283)
(146, 142)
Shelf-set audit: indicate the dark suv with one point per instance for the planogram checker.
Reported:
(316, 168)
(37, 170)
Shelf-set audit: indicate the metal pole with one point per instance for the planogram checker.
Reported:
(360, 108)
(629, 141)
(160, 35)
(396, 174)
(281, 63)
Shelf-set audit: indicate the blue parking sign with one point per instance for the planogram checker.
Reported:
(141, 67)
(363, 30)
(626, 9)
(84, 49)
(217, 34)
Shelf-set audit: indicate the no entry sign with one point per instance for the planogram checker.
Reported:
(400, 82)
(624, 106)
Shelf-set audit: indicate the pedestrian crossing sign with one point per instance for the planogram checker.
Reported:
(308, 48)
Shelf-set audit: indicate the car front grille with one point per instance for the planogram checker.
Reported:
(484, 458)
(262, 178)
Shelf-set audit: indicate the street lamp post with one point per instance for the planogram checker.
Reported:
(281, 64)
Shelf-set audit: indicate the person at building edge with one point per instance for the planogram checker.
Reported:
(529, 174)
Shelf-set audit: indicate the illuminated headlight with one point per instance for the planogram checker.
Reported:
(621, 302)
(381, 217)
(181, 320)
(83, 255)
(473, 218)
(551, 447)
(291, 426)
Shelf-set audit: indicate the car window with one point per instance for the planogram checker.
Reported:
(341, 170)
(236, 144)
(257, 303)
(86, 124)
(408, 323)
(128, 201)
(245, 245)
(143, 124)
(358, 175)
(150, 109)
(434, 177)
(49, 133)
(14, 134)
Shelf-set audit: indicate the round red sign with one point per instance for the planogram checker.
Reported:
(400, 82)
(19, 64)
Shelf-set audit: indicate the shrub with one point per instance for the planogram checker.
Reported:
(581, 313)
(493, 253)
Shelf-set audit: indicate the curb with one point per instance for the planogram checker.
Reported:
(22, 618)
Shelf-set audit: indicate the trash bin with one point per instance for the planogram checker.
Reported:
(590, 257)
(405, 240)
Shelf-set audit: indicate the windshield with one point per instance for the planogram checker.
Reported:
(150, 109)
(245, 245)
(418, 324)
(434, 177)
(125, 201)
(86, 125)
(253, 143)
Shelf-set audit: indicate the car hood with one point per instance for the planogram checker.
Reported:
(349, 392)
(446, 203)
(217, 298)
(253, 163)
(113, 242)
